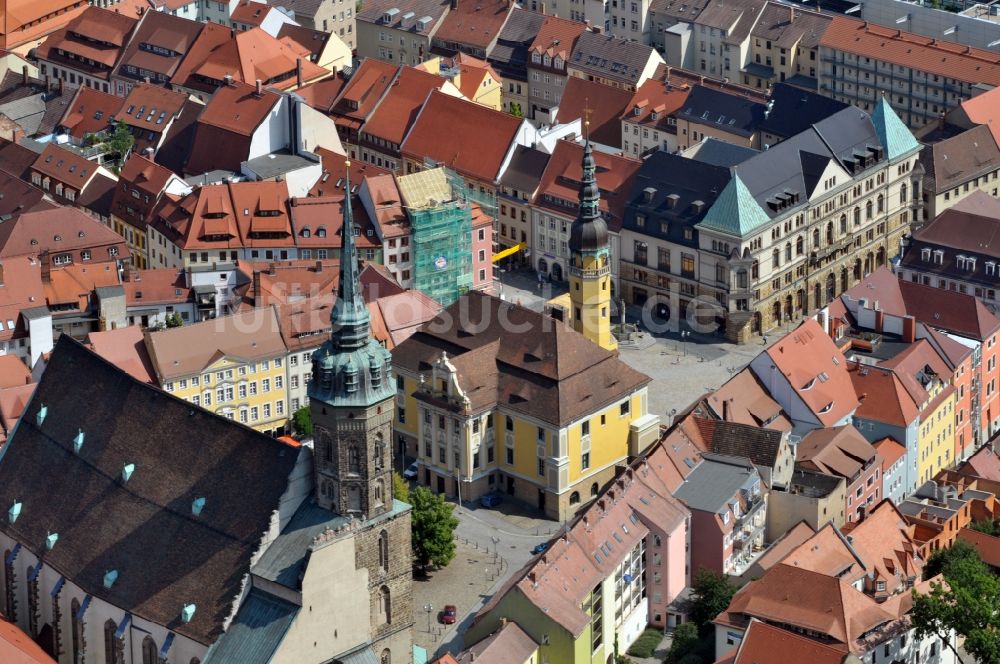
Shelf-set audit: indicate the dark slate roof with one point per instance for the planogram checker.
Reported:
(793, 110)
(510, 55)
(525, 169)
(16, 159)
(507, 354)
(717, 152)
(98, 195)
(610, 57)
(165, 556)
(284, 561)
(256, 631)
(730, 113)
(793, 165)
(759, 445)
(716, 481)
(670, 175)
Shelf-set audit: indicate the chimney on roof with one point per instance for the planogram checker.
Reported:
(24, 75)
(228, 80)
(503, 621)
(260, 88)
(909, 329)
(298, 72)
(149, 152)
(145, 79)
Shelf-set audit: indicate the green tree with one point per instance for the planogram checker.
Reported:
(968, 602)
(988, 526)
(121, 141)
(433, 528)
(943, 559)
(174, 320)
(515, 110)
(302, 421)
(711, 594)
(685, 642)
(400, 488)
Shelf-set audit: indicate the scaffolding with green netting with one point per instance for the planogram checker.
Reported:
(441, 229)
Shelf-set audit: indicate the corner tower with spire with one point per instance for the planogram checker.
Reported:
(351, 399)
(590, 261)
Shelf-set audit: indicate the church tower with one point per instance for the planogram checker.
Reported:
(351, 399)
(590, 261)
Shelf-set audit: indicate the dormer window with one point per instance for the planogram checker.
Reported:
(991, 268)
(306, 232)
(925, 254)
(637, 111)
(939, 256)
(536, 58)
(970, 264)
(558, 62)
(880, 586)
(654, 115)
(321, 231)
(548, 61)
(960, 261)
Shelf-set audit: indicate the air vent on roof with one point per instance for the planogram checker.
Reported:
(187, 613)
(14, 511)
(197, 505)
(78, 441)
(51, 540)
(42, 412)
(110, 577)
(127, 471)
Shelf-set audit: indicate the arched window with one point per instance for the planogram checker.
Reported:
(379, 450)
(112, 654)
(385, 605)
(869, 208)
(378, 492)
(829, 232)
(902, 193)
(815, 238)
(857, 216)
(386, 657)
(149, 653)
(799, 246)
(881, 203)
(574, 498)
(843, 224)
(383, 550)
(353, 459)
(594, 489)
(76, 632)
(775, 258)
(788, 251)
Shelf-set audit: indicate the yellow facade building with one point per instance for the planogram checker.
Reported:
(234, 366)
(937, 431)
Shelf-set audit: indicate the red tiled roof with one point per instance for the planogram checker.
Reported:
(984, 109)
(835, 451)
(58, 229)
(211, 37)
(890, 451)
(944, 58)
(604, 103)
(474, 23)
(26, 21)
(65, 166)
(987, 546)
(254, 54)
(556, 37)
(124, 347)
(90, 112)
(654, 96)
(816, 370)
(766, 644)
(152, 106)
(22, 290)
(16, 647)
(467, 137)
(882, 395)
(250, 12)
(561, 180)
(363, 91)
(13, 371)
(395, 114)
(321, 95)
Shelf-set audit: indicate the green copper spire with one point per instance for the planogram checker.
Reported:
(589, 232)
(350, 317)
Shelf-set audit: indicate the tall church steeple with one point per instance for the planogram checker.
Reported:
(351, 398)
(590, 260)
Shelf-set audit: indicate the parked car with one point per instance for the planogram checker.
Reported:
(490, 500)
(411, 471)
(449, 615)
(540, 548)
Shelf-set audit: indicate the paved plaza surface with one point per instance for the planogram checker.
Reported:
(490, 545)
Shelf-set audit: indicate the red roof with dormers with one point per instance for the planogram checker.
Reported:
(556, 38)
(89, 112)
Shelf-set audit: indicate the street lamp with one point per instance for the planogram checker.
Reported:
(684, 335)
(428, 608)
